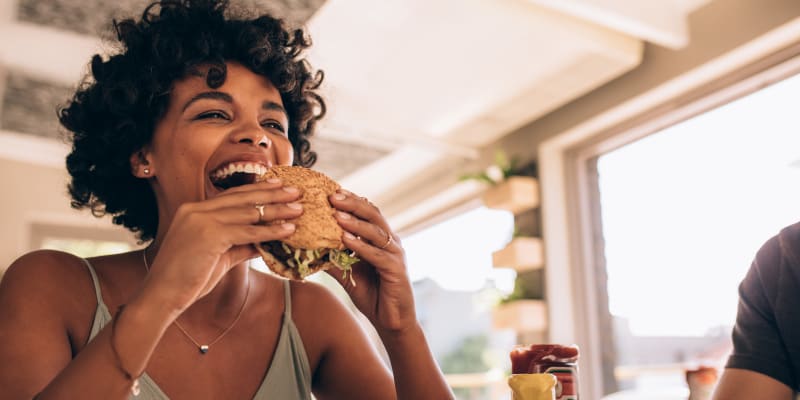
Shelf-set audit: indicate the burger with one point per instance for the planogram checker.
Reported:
(316, 244)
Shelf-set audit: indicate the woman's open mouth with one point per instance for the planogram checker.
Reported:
(236, 174)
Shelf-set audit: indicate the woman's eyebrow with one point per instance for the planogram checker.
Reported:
(209, 95)
(271, 105)
(267, 105)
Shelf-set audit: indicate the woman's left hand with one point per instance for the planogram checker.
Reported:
(382, 290)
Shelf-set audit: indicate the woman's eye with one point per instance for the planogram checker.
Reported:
(213, 115)
(274, 125)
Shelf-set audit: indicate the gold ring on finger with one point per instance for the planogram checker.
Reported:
(388, 242)
(260, 209)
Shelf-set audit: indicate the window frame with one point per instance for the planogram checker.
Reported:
(575, 279)
(73, 226)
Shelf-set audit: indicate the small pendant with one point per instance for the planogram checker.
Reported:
(135, 390)
(204, 349)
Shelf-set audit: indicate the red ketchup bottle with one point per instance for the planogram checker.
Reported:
(561, 361)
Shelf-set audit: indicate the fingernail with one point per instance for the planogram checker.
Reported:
(296, 206)
(274, 180)
(343, 215)
(290, 189)
(349, 236)
(339, 196)
(287, 226)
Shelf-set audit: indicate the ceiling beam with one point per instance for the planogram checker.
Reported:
(662, 22)
(391, 140)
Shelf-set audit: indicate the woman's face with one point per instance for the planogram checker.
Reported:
(207, 134)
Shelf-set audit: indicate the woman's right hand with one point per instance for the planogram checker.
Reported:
(208, 238)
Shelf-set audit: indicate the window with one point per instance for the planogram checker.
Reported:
(683, 213)
(81, 241)
(85, 247)
(455, 289)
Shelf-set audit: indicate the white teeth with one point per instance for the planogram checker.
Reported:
(230, 169)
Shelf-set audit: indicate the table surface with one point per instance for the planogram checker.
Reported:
(667, 394)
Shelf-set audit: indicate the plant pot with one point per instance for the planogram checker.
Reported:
(521, 254)
(515, 194)
(521, 316)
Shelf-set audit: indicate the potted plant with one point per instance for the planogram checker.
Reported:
(524, 310)
(510, 188)
(515, 189)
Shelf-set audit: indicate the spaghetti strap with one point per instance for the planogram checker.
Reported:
(287, 294)
(101, 314)
(289, 374)
(96, 283)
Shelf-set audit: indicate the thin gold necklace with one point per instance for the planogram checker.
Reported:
(203, 348)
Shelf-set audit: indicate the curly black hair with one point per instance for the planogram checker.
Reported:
(114, 112)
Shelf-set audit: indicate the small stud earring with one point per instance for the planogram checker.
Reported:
(146, 171)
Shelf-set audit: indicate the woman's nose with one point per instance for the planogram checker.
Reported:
(252, 136)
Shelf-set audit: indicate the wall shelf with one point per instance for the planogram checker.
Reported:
(521, 254)
(515, 194)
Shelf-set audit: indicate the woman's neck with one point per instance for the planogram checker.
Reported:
(224, 301)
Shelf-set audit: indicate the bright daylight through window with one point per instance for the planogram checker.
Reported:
(455, 287)
(684, 212)
(84, 247)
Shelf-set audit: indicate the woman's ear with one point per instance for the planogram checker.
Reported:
(141, 167)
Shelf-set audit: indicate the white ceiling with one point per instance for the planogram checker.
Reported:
(428, 80)
(441, 78)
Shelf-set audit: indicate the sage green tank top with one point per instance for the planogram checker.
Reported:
(288, 377)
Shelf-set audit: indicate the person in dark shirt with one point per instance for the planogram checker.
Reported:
(766, 337)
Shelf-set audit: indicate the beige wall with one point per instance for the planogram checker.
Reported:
(37, 194)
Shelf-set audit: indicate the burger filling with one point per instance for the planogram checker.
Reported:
(305, 261)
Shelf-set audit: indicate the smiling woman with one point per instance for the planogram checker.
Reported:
(245, 111)
(171, 136)
(160, 76)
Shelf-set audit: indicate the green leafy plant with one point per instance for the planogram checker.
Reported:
(527, 285)
(502, 168)
(517, 294)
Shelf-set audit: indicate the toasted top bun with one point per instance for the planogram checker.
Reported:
(316, 228)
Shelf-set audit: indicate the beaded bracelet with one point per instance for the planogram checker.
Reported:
(135, 381)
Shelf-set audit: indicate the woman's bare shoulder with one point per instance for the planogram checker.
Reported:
(45, 267)
(319, 313)
(53, 279)
(314, 298)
